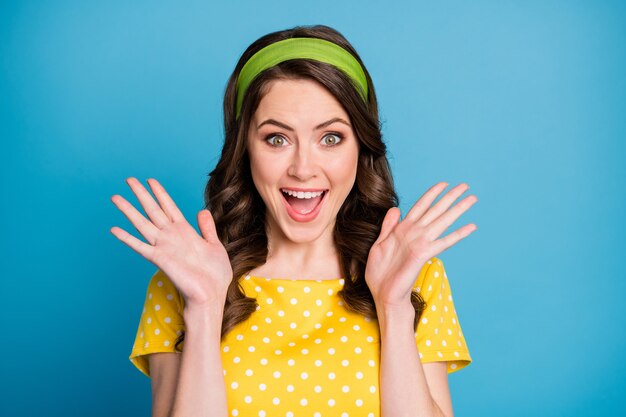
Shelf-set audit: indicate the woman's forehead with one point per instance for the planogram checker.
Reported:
(301, 103)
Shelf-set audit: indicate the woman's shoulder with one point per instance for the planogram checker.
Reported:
(432, 270)
(162, 289)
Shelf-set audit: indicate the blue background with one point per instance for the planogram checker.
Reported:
(522, 100)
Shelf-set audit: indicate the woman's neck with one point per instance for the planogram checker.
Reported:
(318, 259)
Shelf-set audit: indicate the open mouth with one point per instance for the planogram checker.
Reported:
(303, 202)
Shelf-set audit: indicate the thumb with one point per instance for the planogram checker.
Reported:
(389, 222)
(207, 225)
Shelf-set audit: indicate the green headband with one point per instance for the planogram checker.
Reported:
(295, 48)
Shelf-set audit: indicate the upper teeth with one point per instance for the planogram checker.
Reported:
(303, 194)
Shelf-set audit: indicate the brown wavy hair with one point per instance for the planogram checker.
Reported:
(239, 211)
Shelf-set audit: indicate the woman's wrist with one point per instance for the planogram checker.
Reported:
(203, 317)
(396, 314)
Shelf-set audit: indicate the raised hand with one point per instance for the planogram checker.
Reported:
(403, 247)
(197, 265)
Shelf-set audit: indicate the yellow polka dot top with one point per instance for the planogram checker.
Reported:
(302, 353)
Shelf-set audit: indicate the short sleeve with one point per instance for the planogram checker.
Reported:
(161, 321)
(439, 336)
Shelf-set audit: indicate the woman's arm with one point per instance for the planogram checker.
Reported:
(164, 369)
(200, 269)
(201, 390)
(191, 383)
(394, 260)
(408, 388)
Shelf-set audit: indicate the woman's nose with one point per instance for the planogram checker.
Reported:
(303, 164)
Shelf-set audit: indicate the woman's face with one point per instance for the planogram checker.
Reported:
(303, 158)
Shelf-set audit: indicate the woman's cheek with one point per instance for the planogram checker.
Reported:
(343, 168)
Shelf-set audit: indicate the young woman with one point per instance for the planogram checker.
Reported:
(305, 294)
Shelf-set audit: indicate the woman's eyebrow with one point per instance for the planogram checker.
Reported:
(287, 127)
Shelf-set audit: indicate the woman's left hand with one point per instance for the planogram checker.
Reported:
(403, 247)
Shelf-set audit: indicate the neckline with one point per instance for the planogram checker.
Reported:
(292, 279)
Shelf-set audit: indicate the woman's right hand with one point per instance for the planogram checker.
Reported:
(197, 265)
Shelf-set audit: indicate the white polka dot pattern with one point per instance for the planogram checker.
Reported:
(302, 352)
(439, 336)
(160, 321)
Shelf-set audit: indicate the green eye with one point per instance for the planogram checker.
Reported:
(332, 139)
(276, 140)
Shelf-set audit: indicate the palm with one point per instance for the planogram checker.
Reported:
(185, 256)
(390, 262)
(197, 265)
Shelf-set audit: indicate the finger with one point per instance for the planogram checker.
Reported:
(135, 244)
(442, 205)
(389, 222)
(425, 201)
(148, 230)
(207, 225)
(439, 225)
(152, 209)
(165, 201)
(452, 238)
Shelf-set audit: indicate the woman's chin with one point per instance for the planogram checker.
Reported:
(303, 232)
(302, 236)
